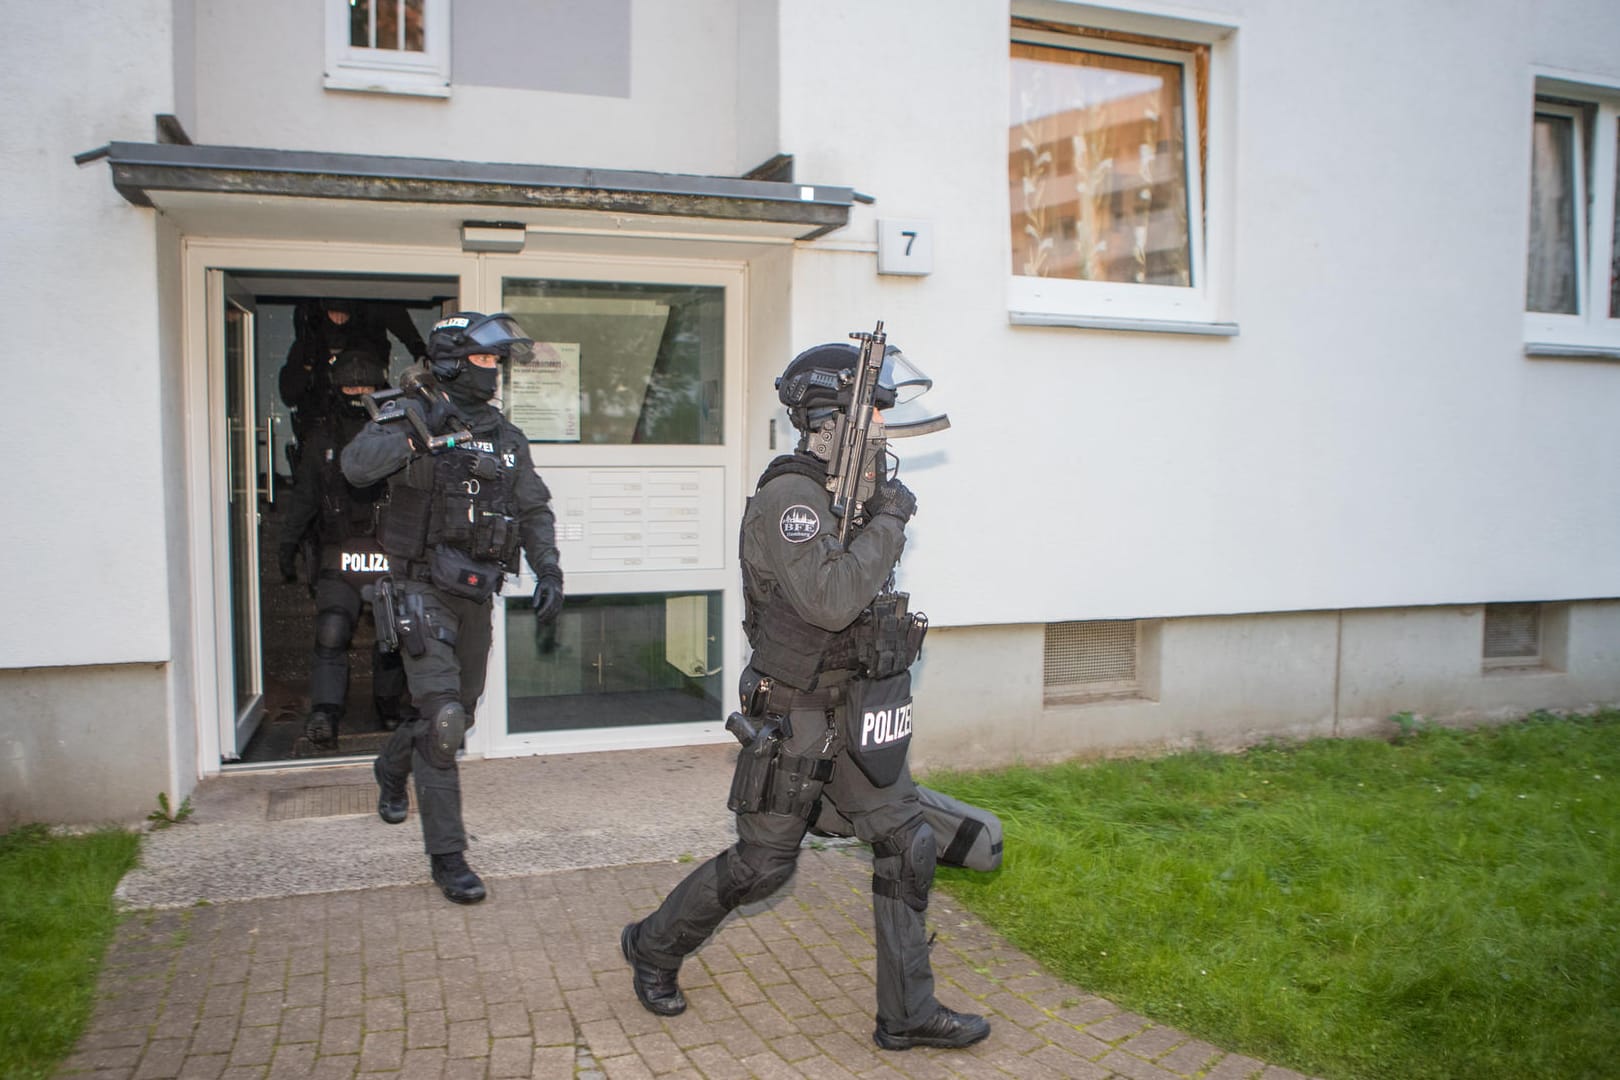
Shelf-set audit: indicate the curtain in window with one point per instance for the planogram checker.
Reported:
(1552, 278)
(1097, 167)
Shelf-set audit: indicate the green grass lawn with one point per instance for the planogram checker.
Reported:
(56, 917)
(1445, 906)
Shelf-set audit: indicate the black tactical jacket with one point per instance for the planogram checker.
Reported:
(385, 451)
(790, 549)
(322, 495)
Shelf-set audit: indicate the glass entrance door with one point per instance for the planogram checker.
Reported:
(246, 466)
(632, 407)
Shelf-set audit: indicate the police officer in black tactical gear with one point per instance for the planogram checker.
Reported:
(321, 330)
(344, 518)
(462, 500)
(826, 713)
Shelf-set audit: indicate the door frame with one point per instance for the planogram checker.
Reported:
(207, 524)
(236, 722)
(479, 276)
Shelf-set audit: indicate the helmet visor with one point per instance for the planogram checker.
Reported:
(499, 334)
(909, 416)
(906, 379)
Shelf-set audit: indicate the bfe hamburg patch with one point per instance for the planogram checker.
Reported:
(799, 523)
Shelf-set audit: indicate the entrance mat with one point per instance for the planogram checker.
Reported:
(308, 802)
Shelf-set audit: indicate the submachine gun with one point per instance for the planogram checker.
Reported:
(416, 387)
(844, 471)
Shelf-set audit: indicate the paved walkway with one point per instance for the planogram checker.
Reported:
(221, 973)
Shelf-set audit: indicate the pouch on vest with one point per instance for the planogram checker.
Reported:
(878, 726)
(458, 575)
(402, 526)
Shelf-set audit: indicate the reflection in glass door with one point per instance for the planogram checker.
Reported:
(619, 363)
(614, 661)
(625, 402)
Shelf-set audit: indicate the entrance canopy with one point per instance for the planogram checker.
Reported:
(297, 194)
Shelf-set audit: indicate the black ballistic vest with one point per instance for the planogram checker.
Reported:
(461, 498)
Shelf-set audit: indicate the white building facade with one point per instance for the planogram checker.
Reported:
(1279, 344)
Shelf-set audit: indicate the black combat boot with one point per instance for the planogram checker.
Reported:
(946, 1029)
(656, 987)
(392, 802)
(456, 880)
(321, 727)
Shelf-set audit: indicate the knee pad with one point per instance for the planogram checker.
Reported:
(904, 867)
(333, 629)
(750, 872)
(445, 730)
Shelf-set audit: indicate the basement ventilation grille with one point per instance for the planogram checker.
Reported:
(1512, 634)
(1097, 657)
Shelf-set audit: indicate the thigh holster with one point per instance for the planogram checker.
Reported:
(770, 780)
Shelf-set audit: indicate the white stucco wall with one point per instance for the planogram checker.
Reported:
(681, 114)
(1372, 437)
(82, 534)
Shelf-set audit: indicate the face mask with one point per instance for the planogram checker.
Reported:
(475, 385)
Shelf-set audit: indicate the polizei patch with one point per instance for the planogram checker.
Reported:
(799, 523)
(363, 562)
(879, 727)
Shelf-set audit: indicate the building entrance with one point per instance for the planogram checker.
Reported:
(633, 412)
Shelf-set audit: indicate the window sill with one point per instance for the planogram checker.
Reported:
(1072, 698)
(1545, 350)
(1508, 670)
(388, 83)
(1149, 326)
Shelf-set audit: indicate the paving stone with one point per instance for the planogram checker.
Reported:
(393, 981)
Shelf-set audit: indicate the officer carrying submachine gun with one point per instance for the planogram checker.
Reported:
(826, 712)
(463, 499)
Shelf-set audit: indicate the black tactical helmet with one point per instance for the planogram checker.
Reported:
(358, 367)
(466, 333)
(818, 381)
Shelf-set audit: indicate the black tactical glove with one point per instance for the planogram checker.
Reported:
(287, 560)
(436, 411)
(894, 498)
(548, 602)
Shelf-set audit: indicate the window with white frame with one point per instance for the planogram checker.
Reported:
(388, 46)
(1572, 291)
(1108, 169)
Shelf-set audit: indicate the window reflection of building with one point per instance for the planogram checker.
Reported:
(388, 23)
(1097, 167)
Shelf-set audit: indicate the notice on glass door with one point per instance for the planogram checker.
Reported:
(544, 395)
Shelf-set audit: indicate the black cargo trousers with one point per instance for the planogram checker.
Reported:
(455, 638)
(767, 849)
(337, 613)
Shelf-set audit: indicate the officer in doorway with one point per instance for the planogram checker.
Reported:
(344, 518)
(826, 715)
(463, 497)
(322, 329)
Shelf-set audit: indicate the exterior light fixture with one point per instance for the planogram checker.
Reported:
(504, 236)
